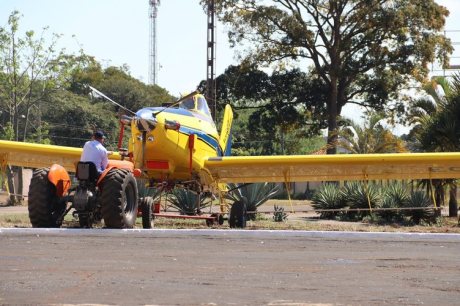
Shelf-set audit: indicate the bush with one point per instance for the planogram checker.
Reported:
(279, 215)
(185, 201)
(358, 195)
(419, 199)
(395, 195)
(256, 194)
(328, 196)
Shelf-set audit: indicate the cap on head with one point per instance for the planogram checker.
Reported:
(99, 135)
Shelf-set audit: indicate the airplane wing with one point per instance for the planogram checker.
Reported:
(34, 155)
(340, 167)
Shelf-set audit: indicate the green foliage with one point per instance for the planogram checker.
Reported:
(279, 215)
(271, 110)
(436, 122)
(354, 195)
(372, 137)
(419, 199)
(145, 191)
(328, 196)
(384, 45)
(7, 132)
(359, 195)
(256, 194)
(43, 93)
(394, 195)
(185, 201)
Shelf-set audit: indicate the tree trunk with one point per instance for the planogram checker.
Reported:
(453, 207)
(332, 135)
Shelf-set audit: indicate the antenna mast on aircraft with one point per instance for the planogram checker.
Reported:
(153, 11)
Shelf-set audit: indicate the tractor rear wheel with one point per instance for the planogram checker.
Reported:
(119, 199)
(147, 213)
(45, 209)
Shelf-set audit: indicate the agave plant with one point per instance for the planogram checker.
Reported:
(395, 195)
(279, 215)
(255, 194)
(419, 199)
(359, 195)
(328, 197)
(185, 201)
(146, 191)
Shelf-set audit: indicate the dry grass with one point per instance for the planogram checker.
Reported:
(447, 225)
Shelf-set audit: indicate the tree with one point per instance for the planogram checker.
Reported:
(437, 127)
(30, 69)
(363, 50)
(72, 119)
(371, 137)
(116, 83)
(276, 109)
(28, 72)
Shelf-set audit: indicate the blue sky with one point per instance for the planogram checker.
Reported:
(116, 32)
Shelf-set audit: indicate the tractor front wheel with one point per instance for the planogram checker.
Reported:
(45, 209)
(119, 199)
(146, 205)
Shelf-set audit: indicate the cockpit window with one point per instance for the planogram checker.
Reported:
(188, 104)
(201, 105)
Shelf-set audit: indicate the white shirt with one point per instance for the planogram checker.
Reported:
(94, 151)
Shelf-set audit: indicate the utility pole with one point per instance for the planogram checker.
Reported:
(153, 65)
(211, 61)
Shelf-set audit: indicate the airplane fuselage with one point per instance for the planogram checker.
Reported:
(178, 145)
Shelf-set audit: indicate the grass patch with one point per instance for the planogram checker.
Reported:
(14, 220)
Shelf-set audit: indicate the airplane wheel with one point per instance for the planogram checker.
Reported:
(147, 213)
(220, 219)
(45, 210)
(119, 199)
(237, 217)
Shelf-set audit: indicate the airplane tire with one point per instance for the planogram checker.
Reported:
(43, 203)
(237, 217)
(119, 199)
(147, 213)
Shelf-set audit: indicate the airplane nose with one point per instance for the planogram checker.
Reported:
(146, 125)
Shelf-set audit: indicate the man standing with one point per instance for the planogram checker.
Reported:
(95, 152)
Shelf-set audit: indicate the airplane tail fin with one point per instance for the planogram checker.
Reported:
(225, 139)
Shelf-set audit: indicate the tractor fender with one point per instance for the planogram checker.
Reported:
(59, 177)
(116, 164)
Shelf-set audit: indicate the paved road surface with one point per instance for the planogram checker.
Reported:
(193, 267)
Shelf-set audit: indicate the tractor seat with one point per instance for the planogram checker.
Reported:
(87, 171)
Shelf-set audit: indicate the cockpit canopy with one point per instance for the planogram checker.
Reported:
(196, 103)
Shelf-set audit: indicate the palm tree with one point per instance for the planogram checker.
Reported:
(437, 126)
(371, 137)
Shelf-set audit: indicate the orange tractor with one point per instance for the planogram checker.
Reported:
(111, 196)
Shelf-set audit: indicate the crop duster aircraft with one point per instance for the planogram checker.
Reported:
(179, 145)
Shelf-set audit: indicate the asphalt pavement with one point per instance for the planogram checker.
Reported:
(227, 267)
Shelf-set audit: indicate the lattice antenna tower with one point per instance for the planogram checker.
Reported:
(153, 65)
(211, 60)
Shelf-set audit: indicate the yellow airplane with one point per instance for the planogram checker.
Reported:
(178, 145)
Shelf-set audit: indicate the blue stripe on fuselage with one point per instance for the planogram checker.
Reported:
(206, 138)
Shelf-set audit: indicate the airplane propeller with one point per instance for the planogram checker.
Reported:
(145, 121)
